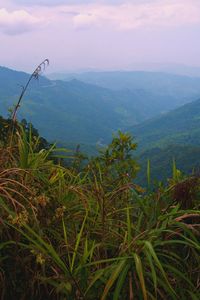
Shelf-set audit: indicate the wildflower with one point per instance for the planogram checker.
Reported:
(33, 252)
(40, 259)
(20, 219)
(60, 212)
(42, 200)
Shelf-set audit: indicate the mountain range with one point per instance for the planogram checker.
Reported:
(82, 112)
(158, 109)
(182, 89)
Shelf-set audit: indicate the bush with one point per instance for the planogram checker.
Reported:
(90, 232)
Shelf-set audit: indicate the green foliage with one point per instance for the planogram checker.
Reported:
(7, 128)
(161, 159)
(89, 232)
(116, 160)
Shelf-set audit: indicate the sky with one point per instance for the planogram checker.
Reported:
(98, 34)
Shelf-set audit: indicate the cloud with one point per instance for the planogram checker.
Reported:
(18, 22)
(124, 15)
(65, 2)
(132, 15)
(84, 21)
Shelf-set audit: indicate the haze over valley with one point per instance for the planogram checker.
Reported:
(89, 107)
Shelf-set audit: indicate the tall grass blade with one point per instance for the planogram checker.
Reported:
(140, 274)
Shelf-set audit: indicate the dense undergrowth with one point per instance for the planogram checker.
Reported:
(87, 231)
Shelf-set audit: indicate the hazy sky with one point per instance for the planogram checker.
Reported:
(102, 34)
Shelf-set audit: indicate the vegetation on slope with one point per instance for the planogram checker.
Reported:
(83, 113)
(161, 162)
(180, 126)
(90, 232)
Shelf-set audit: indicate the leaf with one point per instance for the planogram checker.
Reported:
(78, 242)
(120, 282)
(139, 270)
(159, 265)
(113, 278)
(153, 271)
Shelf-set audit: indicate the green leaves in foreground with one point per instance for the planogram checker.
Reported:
(91, 233)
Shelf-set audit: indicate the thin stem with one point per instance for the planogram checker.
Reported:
(34, 75)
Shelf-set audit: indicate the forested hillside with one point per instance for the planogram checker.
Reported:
(161, 161)
(180, 126)
(83, 113)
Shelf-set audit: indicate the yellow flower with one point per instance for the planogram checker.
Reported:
(60, 212)
(40, 259)
(42, 200)
(20, 219)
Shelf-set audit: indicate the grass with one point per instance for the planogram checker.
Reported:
(87, 231)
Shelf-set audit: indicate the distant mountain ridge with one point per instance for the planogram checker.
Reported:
(171, 68)
(182, 89)
(76, 111)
